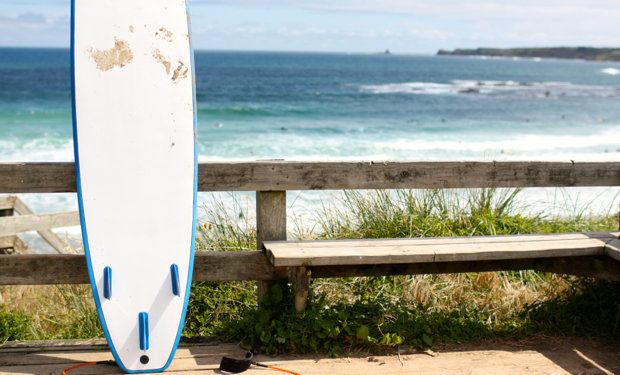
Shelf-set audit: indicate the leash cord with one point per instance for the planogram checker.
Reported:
(83, 364)
(113, 363)
(283, 370)
(275, 368)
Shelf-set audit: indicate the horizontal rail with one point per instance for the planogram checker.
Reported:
(253, 265)
(327, 175)
(601, 267)
(26, 223)
(71, 268)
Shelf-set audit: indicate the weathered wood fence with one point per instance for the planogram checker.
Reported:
(27, 220)
(271, 180)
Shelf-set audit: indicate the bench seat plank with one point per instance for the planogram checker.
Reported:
(612, 249)
(418, 241)
(428, 250)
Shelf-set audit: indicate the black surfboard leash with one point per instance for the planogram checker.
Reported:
(237, 365)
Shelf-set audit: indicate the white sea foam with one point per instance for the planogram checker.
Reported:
(506, 88)
(523, 144)
(39, 149)
(612, 71)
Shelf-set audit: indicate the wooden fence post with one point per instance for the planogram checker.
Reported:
(5, 242)
(270, 225)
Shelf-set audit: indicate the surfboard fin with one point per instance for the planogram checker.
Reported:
(107, 283)
(143, 319)
(176, 284)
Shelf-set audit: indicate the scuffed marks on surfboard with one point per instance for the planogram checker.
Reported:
(120, 55)
(180, 72)
(162, 60)
(164, 34)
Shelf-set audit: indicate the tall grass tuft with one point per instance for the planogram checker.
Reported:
(75, 314)
(227, 228)
(444, 213)
(55, 311)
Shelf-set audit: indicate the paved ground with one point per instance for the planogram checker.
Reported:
(539, 355)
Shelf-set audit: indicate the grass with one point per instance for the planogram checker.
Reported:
(53, 312)
(374, 312)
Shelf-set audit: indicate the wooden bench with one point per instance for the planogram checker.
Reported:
(302, 257)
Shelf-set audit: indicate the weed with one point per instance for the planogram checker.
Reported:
(587, 308)
(14, 325)
(78, 318)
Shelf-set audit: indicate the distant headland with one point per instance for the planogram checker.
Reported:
(582, 53)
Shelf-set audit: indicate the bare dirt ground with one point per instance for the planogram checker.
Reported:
(537, 355)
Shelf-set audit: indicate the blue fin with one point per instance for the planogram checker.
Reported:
(107, 283)
(176, 284)
(143, 319)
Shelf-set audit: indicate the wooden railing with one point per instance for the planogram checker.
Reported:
(285, 175)
(271, 180)
(27, 221)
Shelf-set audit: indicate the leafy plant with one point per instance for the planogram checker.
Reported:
(14, 325)
(588, 308)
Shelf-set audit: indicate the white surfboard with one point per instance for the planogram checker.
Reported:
(135, 152)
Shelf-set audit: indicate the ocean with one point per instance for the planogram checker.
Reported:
(328, 106)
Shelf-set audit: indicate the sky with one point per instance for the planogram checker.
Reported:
(402, 26)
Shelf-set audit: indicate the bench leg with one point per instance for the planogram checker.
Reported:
(300, 277)
(264, 286)
(301, 297)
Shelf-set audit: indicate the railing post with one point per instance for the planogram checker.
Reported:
(270, 225)
(4, 249)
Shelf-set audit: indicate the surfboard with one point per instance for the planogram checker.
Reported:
(135, 155)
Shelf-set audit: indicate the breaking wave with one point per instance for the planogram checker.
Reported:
(495, 88)
(611, 71)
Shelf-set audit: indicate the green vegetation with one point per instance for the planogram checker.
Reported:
(78, 318)
(588, 308)
(377, 312)
(14, 325)
(48, 312)
(583, 53)
(372, 313)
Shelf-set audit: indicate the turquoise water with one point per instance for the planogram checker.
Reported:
(310, 106)
(300, 106)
